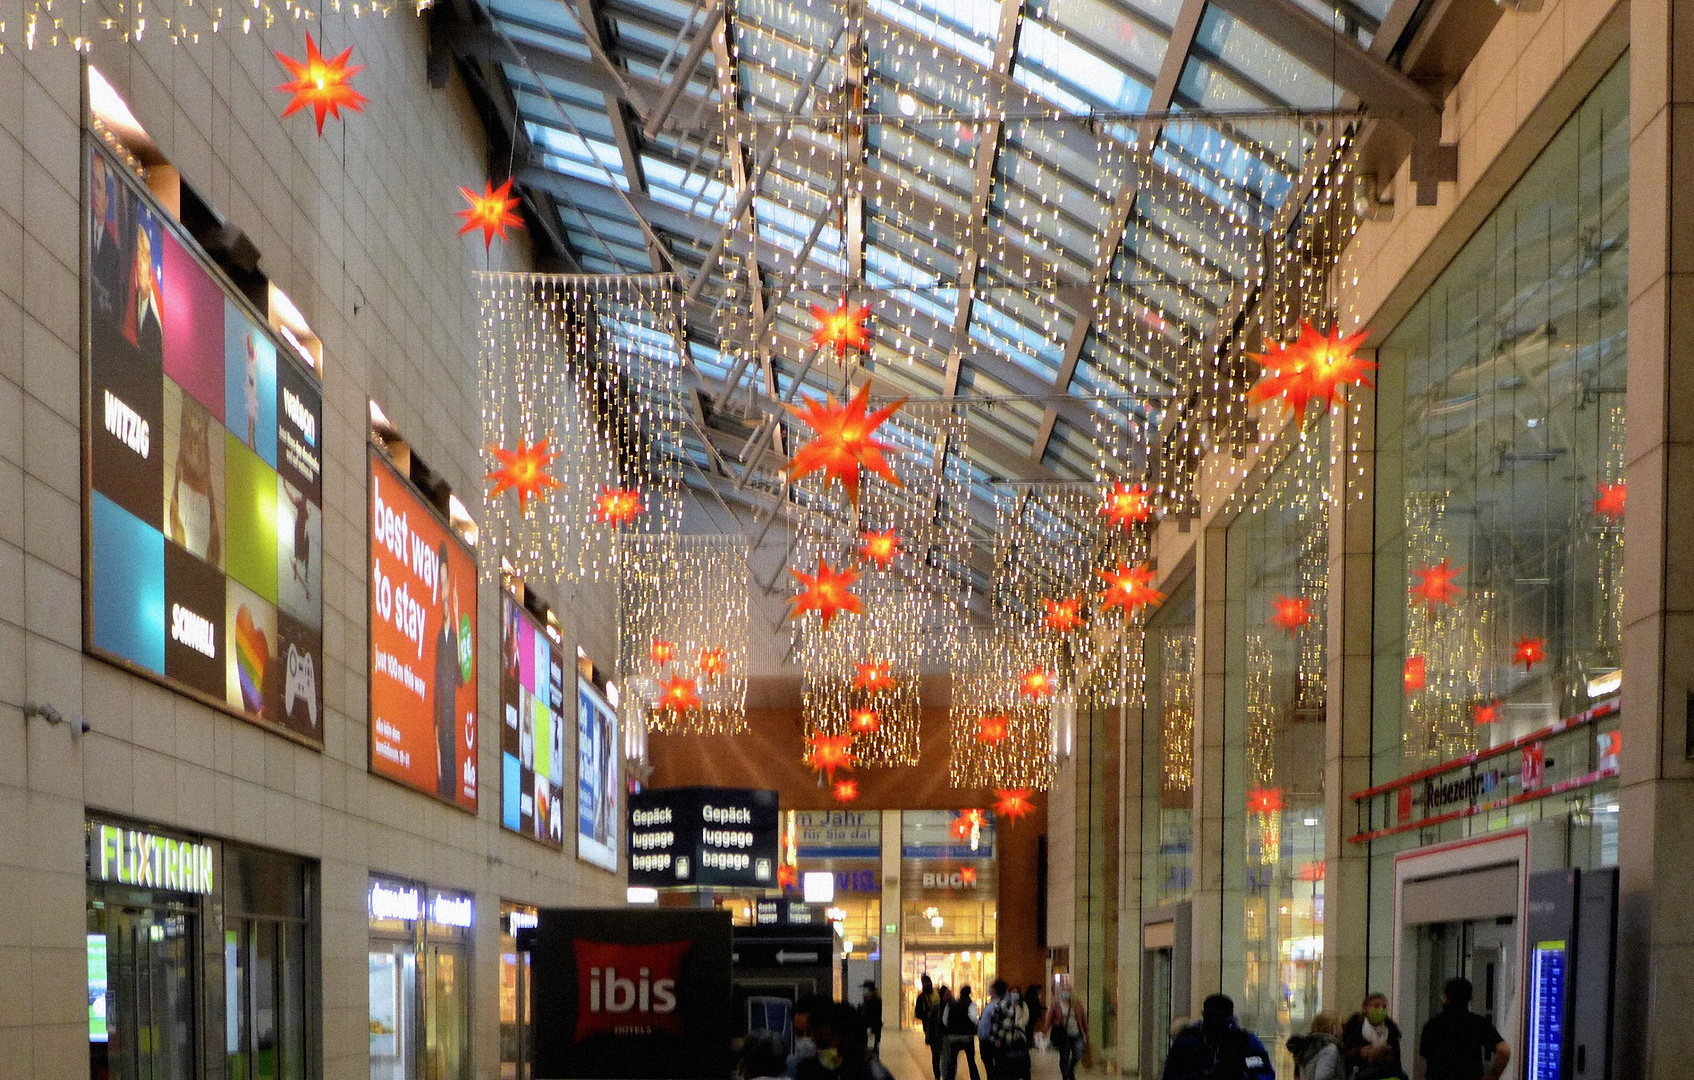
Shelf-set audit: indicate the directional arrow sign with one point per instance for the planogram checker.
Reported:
(783, 956)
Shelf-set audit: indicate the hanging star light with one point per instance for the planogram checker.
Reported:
(711, 662)
(872, 675)
(825, 592)
(843, 444)
(1265, 800)
(841, 328)
(1610, 502)
(1529, 651)
(1012, 803)
(1062, 616)
(845, 791)
(992, 729)
(523, 470)
(618, 506)
(491, 212)
(326, 86)
(1290, 613)
(1414, 674)
(1317, 367)
(1036, 683)
(1435, 584)
(1130, 588)
(880, 547)
(1489, 713)
(866, 721)
(661, 652)
(827, 753)
(1125, 506)
(787, 877)
(679, 694)
(967, 875)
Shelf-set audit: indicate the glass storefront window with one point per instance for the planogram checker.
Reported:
(948, 894)
(142, 987)
(1276, 592)
(420, 990)
(517, 1038)
(1167, 754)
(265, 976)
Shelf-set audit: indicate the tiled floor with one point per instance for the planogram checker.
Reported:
(905, 1055)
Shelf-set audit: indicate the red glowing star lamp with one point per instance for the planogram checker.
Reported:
(1609, 503)
(827, 753)
(711, 663)
(845, 791)
(1036, 683)
(1124, 506)
(1485, 714)
(992, 729)
(879, 547)
(491, 212)
(843, 327)
(872, 675)
(1435, 585)
(618, 506)
(1317, 367)
(867, 721)
(679, 694)
(967, 875)
(826, 592)
(1012, 803)
(1414, 674)
(1290, 613)
(325, 86)
(1265, 800)
(523, 470)
(661, 652)
(1130, 589)
(843, 444)
(1529, 651)
(960, 828)
(787, 877)
(1062, 616)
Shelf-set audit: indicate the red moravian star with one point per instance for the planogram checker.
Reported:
(1062, 616)
(867, 721)
(1130, 589)
(523, 470)
(1435, 585)
(1011, 803)
(1317, 367)
(991, 729)
(960, 828)
(491, 212)
(1290, 613)
(787, 876)
(1609, 503)
(872, 675)
(843, 327)
(679, 694)
(1036, 683)
(661, 652)
(326, 86)
(845, 791)
(827, 753)
(826, 592)
(879, 547)
(967, 875)
(1265, 800)
(710, 662)
(843, 445)
(617, 506)
(1413, 674)
(1529, 651)
(1485, 714)
(1124, 505)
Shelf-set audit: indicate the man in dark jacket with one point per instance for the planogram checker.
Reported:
(1218, 1048)
(927, 1012)
(1456, 1042)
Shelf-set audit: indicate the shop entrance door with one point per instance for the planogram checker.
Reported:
(1166, 950)
(141, 1020)
(393, 990)
(1481, 950)
(447, 1036)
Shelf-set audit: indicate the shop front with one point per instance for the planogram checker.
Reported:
(517, 1037)
(949, 910)
(847, 845)
(202, 958)
(420, 981)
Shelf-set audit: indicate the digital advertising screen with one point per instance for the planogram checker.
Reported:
(423, 644)
(203, 486)
(532, 731)
(598, 771)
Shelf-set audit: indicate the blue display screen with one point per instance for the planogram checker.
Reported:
(1547, 973)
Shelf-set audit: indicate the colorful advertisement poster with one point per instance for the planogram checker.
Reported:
(423, 644)
(599, 805)
(205, 563)
(532, 729)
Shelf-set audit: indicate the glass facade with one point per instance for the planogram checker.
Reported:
(948, 896)
(1276, 597)
(1167, 754)
(420, 957)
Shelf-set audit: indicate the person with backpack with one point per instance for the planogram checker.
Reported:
(1008, 1035)
(927, 1012)
(1217, 1048)
(1067, 1026)
(959, 1019)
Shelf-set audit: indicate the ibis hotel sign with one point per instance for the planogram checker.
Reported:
(148, 860)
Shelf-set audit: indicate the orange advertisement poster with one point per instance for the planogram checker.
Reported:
(423, 644)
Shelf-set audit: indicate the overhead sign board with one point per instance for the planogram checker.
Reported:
(703, 836)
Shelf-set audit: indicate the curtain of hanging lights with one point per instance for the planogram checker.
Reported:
(1000, 738)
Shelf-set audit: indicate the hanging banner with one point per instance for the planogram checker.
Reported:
(423, 644)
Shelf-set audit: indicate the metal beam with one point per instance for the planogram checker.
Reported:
(685, 70)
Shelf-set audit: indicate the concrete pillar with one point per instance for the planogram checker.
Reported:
(1210, 799)
(889, 984)
(1131, 764)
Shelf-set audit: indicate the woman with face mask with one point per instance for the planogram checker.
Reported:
(1371, 1042)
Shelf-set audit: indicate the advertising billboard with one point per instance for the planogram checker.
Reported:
(532, 730)
(703, 836)
(599, 807)
(423, 644)
(203, 487)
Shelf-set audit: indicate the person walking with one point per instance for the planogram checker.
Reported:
(870, 1007)
(1067, 1026)
(985, 1044)
(959, 1019)
(839, 1031)
(927, 1012)
(1370, 1042)
(1008, 1034)
(1317, 1054)
(1458, 1044)
(1037, 1015)
(1218, 1048)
